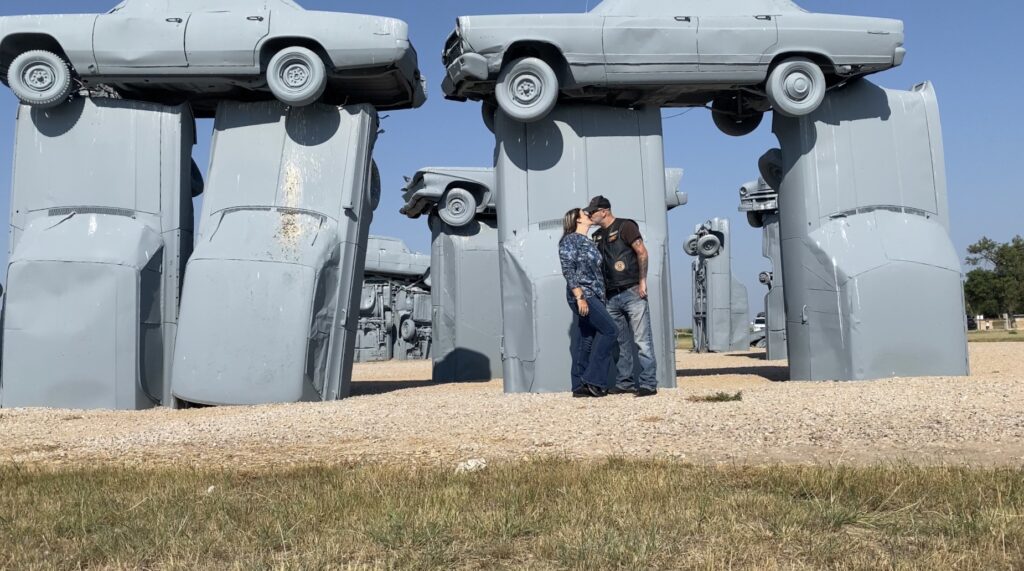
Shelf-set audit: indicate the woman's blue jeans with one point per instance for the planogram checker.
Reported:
(595, 337)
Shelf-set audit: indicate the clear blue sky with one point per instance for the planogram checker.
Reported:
(970, 53)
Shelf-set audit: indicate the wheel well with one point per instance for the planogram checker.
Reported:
(17, 44)
(823, 61)
(274, 45)
(549, 53)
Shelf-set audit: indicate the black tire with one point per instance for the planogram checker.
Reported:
(730, 119)
(40, 78)
(796, 87)
(457, 207)
(527, 89)
(297, 76)
(755, 220)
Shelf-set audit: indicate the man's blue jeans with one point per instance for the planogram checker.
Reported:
(632, 313)
(595, 338)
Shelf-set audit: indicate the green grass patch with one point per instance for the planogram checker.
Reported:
(684, 338)
(1001, 336)
(717, 397)
(614, 514)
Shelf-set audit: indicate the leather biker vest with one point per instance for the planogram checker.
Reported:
(621, 267)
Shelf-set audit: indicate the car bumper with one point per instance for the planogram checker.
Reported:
(466, 66)
(901, 53)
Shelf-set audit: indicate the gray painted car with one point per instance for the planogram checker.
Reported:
(458, 193)
(172, 51)
(744, 57)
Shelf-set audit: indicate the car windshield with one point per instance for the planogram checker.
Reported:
(290, 4)
(693, 7)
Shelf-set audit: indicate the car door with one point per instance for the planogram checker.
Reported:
(737, 47)
(645, 49)
(140, 34)
(225, 34)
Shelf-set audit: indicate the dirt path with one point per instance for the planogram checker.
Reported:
(399, 416)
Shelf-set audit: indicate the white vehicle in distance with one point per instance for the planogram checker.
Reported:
(744, 57)
(202, 51)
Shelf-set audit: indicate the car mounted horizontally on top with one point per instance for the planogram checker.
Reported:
(203, 51)
(744, 57)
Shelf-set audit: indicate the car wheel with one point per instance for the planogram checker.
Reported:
(770, 168)
(709, 246)
(196, 175)
(690, 245)
(527, 89)
(755, 220)
(796, 87)
(457, 208)
(297, 76)
(375, 186)
(407, 330)
(40, 78)
(727, 115)
(487, 111)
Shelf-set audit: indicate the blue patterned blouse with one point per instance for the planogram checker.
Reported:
(581, 266)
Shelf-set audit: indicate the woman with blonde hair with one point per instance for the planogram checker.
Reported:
(595, 334)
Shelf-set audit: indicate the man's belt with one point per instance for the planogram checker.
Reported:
(612, 292)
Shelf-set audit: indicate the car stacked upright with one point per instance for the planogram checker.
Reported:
(744, 57)
(201, 51)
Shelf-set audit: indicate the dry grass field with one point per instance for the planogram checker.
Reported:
(899, 473)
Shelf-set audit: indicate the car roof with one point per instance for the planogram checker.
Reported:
(694, 7)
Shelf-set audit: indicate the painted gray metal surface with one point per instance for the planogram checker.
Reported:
(873, 281)
(761, 204)
(101, 227)
(465, 285)
(425, 189)
(720, 305)
(204, 51)
(542, 170)
(395, 308)
(665, 52)
(271, 298)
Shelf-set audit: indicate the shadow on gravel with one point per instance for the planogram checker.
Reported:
(759, 355)
(370, 388)
(774, 374)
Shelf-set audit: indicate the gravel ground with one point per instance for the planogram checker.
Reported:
(397, 417)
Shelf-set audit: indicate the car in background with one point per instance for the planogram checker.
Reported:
(744, 57)
(202, 51)
(758, 331)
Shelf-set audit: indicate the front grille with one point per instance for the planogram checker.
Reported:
(452, 48)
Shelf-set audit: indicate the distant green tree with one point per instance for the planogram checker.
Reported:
(996, 285)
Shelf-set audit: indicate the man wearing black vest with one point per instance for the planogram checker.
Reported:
(625, 273)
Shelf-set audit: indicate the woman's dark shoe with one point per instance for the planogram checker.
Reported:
(618, 391)
(646, 392)
(581, 392)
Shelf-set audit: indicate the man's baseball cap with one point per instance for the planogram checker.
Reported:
(597, 203)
